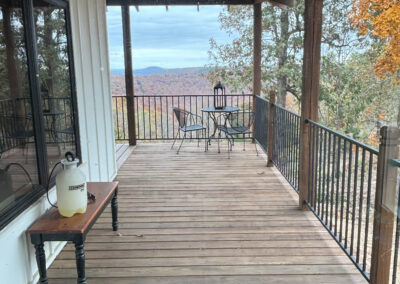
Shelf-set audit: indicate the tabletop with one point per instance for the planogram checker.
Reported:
(53, 222)
(53, 112)
(225, 109)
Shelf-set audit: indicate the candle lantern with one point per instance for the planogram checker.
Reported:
(219, 96)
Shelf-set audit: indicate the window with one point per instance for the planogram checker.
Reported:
(55, 81)
(38, 122)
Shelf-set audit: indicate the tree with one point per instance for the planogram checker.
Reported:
(352, 98)
(380, 18)
(282, 50)
(355, 101)
(282, 45)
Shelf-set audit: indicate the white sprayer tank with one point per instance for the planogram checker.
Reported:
(71, 188)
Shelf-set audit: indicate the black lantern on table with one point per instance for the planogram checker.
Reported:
(219, 96)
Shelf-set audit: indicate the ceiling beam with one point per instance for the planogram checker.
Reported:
(178, 2)
(280, 3)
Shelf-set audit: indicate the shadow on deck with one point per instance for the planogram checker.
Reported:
(198, 217)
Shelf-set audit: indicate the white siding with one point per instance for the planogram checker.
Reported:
(89, 30)
(88, 20)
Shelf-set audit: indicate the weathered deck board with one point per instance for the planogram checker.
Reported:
(122, 152)
(199, 217)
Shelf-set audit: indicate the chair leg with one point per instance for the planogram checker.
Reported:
(177, 133)
(229, 152)
(27, 153)
(244, 142)
(198, 140)
(184, 136)
(219, 137)
(255, 146)
(206, 140)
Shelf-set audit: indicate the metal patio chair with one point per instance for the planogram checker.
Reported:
(188, 122)
(239, 123)
(18, 131)
(65, 127)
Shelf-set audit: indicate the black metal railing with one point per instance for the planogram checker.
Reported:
(287, 144)
(22, 107)
(154, 115)
(261, 122)
(342, 182)
(286, 138)
(395, 277)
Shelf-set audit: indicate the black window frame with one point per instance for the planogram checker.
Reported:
(38, 190)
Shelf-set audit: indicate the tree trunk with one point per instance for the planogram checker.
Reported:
(48, 55)
(398, 115)
(282, 56)
(15, 91)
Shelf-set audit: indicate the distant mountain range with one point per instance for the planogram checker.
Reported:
(155, 70)
(155, 81)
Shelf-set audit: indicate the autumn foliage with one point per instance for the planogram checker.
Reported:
(382, 19)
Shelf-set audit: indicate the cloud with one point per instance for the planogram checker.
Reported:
(177, 38)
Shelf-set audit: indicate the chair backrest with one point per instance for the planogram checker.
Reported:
(241, 119)
(14, 125)
(181, 116)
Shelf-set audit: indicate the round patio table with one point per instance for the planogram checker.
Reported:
(212, 113)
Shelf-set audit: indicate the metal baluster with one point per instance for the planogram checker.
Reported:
(144, 119)
(155, 115)
(323, 179)
(116, 112)
(190, 110)
(348, 192)
(360, 204)
(292, 149)
(179, 105)
(123, 119)
(332, 182)
(343, 185)
(315, 179)
(337, 183)
(161, 117)
(396, 242)
(167, 108)
(370, 165)
(311, 163)
(312, 152)
(328, 179)
(298, 153)
(136, 103)
(319, 173)
(353, 220)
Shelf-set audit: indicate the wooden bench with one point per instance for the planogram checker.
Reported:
(53, 227)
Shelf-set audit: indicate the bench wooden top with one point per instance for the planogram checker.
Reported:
(53, 223)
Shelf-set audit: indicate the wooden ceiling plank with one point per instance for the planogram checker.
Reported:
(178, 2)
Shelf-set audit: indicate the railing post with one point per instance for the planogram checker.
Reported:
(271, 126)
(257, 48)
(310, 90)
(129, 87)
(385, 206)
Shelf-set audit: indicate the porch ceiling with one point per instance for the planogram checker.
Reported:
(289, 3)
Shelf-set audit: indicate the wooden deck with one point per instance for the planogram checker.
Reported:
(122, 153)
(198, 217)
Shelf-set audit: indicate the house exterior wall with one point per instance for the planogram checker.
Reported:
(89, 35)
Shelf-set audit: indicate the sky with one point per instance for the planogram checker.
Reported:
(175, 39)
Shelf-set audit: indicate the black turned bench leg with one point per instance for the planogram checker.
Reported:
(80, 262)
(114, 210)
(41, 263)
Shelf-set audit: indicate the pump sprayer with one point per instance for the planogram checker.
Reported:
(71, 187)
